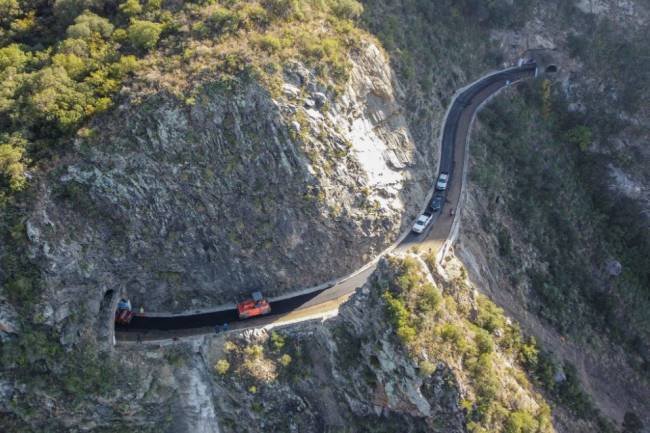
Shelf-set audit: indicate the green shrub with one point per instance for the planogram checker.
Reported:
(571, 394)
(484, 342)
(21, 290)
(285, 360)
(9, 9)
(222, 366)
(13, 55)
(450, 333)
(56, 99)
(252, 15)
(88, 24)
(144, 35)
(349, 9)
(408, 275)
(153, 5)
(528, 354)
(505, 242)
(429, 298)
(490, 317)
(12, 161)
(277, 340)
(400, 318)
(224, 20)
(580, 136)
(287, 9)
(427, 368)
(254, 351)
(521, 422)
(269, 43)
(131, 7)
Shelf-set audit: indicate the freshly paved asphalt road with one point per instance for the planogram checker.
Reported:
(304, 306)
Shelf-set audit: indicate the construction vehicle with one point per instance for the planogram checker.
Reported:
(124, 312)
(256, 306)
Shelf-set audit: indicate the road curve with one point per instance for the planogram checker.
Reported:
(314, 303)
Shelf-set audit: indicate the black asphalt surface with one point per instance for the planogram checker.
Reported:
(142, 324)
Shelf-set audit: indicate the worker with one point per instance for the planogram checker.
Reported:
(220, 328)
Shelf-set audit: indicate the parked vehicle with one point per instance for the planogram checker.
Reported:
(436, 203)
(256, 306)
(422, 222)
(443, 180)
(124, 312)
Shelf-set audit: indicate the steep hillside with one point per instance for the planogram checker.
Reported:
(183, 205)
(557, 217)
(278, 163)
(185, 153)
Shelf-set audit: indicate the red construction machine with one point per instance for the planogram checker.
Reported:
(256, 306)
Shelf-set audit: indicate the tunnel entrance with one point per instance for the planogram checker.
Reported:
(108, 296)
(551, 69)
(106, 316)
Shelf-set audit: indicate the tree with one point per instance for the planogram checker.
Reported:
(131, 7)
(56, 98)
(66, 10)
(87, 24)
(12, 161)
(144, 35)
(13, 55)
(9, 9)
(74, 66)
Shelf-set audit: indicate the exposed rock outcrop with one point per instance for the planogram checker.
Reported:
(181, 206)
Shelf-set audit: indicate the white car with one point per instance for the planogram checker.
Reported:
(443, 179)
(422, 222)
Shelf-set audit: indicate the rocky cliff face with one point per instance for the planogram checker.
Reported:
(352, 372)
(181, 206)
(348, 373)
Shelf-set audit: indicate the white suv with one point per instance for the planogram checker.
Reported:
(422, 223)
(443, 179)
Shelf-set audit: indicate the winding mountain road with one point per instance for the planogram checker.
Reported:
(324, 300)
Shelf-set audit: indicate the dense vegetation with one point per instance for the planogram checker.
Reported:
(478, 336)
(442, 327)
(571, 220)
(63, 62)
